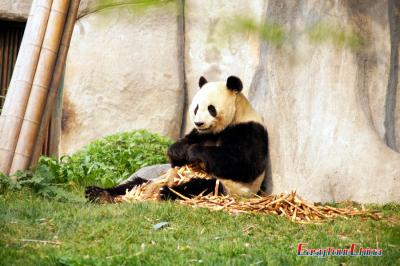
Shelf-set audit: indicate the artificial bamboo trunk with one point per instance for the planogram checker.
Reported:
(58, 71)
(26, 36)
(40, 88)
(21, 82)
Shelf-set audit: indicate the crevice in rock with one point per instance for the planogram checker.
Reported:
(391, 93)
(182, 63)
(258, 96)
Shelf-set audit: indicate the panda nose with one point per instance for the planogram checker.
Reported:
(198, 124)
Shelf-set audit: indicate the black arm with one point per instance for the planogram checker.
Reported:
(241, 156)
(177, 152)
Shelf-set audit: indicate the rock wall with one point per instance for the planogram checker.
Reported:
(326, 105)
(17, 10)
(332, 109)
(123, 73)
(212, 50)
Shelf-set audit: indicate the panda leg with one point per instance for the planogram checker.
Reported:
(191, 189)
(97, 194)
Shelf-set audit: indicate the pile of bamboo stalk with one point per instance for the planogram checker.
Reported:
(290, 206)
(173, 177)
(34, 83)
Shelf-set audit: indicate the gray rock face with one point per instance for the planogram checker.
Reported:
(17, 10)
(324, 106)
(122, 74)
(149, 172)
(332, 110)
(329, 107)
(213, 49)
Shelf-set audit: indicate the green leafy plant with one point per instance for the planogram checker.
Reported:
(103, 162)
(112, 159)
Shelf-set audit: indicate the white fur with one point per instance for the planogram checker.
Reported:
(232, 108)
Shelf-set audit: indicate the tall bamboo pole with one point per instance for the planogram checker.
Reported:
(21, 82)
(25, 38)
(55, 83)
(40, 87)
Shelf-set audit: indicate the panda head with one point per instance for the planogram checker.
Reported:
(213, 107)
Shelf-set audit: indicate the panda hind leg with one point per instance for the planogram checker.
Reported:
(106, 195)
(191, 189)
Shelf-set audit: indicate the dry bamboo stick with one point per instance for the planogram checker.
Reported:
(40, 87)
(60, 64)
(21, 82)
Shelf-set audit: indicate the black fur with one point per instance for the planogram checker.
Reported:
(234, 83)
(241, 154)
(202, 81)
(93, 193)
(193, 188)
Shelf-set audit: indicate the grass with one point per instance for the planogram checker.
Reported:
(123, 234)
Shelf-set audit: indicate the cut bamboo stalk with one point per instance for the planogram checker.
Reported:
(21, 82)
(55, 83)
(40, 88)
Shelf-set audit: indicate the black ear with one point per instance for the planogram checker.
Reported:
(234, 83)
(202, 81)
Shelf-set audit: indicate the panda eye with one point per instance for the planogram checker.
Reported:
(195, 110)
(212, 110)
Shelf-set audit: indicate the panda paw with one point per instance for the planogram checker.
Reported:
(166, 193)
(194, 154)
(98, 195)
(177, 154)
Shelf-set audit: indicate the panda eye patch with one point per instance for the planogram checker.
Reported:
(195, 109)
(212, 110)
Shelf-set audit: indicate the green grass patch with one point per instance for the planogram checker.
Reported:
(123, 234)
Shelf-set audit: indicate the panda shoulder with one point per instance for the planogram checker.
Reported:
(245, 130)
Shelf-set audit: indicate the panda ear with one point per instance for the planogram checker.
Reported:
(202, 81)
(234, 84)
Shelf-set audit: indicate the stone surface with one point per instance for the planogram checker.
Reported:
(149, 172)
(332, 111)
(16, 10)
(122, 74)
(212, 46)
(324, 105)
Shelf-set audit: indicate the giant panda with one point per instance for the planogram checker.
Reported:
(228, 141)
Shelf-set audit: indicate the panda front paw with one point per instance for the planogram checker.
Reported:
(98, 195)
(194, 154)
(177, 154)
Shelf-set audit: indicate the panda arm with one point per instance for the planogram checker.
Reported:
(177, 152)
(241, 157)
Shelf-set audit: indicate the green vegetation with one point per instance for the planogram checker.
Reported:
(110, 160)
(347, 37)
(269, 32)
(104, 162)
(86, 234)
(276, 34)
(45, 220)
(134, 6)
